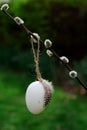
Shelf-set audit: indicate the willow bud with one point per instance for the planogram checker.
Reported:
(49, 53)
(73, 74)
(64, 59)
(35, 40)
(47, 43)
(4, 7)
(18, 20)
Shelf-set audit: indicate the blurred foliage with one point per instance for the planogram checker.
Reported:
(23, 61)
(64, 112)
(63, 22)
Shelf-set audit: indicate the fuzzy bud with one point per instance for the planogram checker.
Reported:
(49, 53)
(73, 74)
(64, 59)
(47, 43)
(4, 7)
(18, 20)
(35, 40)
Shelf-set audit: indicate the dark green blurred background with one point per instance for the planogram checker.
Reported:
(64, 22)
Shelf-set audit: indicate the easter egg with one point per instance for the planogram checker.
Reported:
(38, 95)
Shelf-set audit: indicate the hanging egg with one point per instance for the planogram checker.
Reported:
(38, 95)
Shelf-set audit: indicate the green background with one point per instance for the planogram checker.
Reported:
(64, 22)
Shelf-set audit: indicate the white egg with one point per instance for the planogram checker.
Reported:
(38, 95)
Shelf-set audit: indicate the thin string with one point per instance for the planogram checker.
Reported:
(36, 58)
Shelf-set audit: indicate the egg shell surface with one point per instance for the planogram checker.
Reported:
(35, 97)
